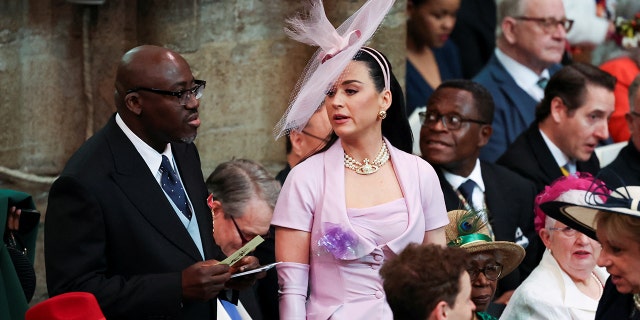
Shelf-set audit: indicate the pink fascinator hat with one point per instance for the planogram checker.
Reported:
(336, 48)
(573, 189)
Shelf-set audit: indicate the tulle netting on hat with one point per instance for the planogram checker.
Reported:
(336, 49)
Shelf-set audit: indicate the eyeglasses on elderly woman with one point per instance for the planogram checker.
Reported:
(492, 272)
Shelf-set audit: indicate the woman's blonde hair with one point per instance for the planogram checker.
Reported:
(617, 225)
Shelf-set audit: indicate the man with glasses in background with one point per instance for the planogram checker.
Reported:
(529, 47)
(127, 220)
(456, 125)
(304, 143)
(243, 195)
(625, 169)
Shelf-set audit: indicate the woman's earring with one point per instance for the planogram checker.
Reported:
(382, 114)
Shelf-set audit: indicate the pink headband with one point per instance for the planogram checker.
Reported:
(382, 62)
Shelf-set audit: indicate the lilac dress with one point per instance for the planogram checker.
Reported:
(344, 278)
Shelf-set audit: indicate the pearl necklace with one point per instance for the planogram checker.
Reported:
(368, 167)
(600, 285)
(636, 300)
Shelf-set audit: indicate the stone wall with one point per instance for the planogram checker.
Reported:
(58, 60)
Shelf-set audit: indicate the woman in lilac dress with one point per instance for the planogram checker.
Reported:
(358, 202)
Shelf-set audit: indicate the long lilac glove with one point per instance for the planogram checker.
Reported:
(293, 279)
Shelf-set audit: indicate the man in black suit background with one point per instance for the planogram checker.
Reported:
(625, 168)
(457, 123)
(112, 229)
(570, 121)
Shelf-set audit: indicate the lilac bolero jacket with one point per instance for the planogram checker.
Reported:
(312, 199)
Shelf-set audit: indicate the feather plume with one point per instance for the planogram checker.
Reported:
(471, 222)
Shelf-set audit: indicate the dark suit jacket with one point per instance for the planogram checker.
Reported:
(624, 170)
(515, 109)
(509, 199)
(530, 157)
(111, 231)
(475, 34)
(616, 305)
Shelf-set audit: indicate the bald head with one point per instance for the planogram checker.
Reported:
(146, 66)
(149, 83)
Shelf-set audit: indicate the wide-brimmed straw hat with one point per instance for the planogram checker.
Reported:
(624, 200)
(470, 231)
(67, 306)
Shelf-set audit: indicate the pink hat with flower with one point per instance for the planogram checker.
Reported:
(572, 189)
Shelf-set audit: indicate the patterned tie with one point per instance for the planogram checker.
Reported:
(172, 186)
(542, 82)
(466, 189)
(565, 170)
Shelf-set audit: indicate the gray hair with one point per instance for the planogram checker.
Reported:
(549, 222)
(509, 8)
(237, 181)
(633, 92)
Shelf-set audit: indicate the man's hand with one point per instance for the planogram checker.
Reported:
(13, 219)
(204, 280)
(245, 264)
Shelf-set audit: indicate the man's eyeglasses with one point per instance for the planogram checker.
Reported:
(325, 140)
(241, 234)
(184, 96)
(492, 272)
(549, 25)
(449, 121)
(567, 231)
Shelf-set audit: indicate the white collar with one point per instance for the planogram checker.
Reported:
(559, 156)
(455, 180)
(150, 156)
(524, 77)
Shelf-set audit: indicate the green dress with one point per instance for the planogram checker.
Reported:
(485, 316)
(13, 303)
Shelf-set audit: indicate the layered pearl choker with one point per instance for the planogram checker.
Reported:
(368, 167)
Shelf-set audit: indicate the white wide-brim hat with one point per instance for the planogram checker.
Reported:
(624, 200)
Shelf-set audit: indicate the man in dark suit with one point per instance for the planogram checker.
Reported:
(304, 143)
(456, 125)
(112, 229)
(570, 122)
(530, 44)
(475, 34)
(625, 169)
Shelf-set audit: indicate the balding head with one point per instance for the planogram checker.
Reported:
(145, 66)
(149, 80)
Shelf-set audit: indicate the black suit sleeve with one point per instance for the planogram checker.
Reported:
(77, 259)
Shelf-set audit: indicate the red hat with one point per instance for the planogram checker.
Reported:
(68, 306)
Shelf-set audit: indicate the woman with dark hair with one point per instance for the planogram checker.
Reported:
(396, 126)
(431, 57)
(346, 210)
